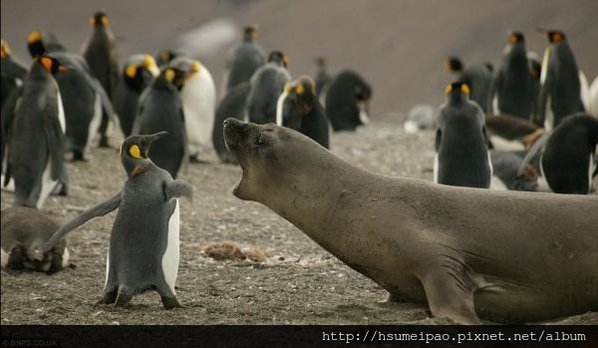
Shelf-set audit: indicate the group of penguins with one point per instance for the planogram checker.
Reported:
(532, 125)
(80, 95)
(56, 108)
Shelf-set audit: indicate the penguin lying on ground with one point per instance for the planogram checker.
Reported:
(144, 243)
(421, 116)
(243, 61)
(199, 103)
(561, 82)
(138, 72)
(514, 88)
(299, 109)
(568, 159)
(24, 234)
(36, 135)
(462, 157)
(347, 101)
(510, 133)
(161, 109)
(266, 86)
(100, 53)
(232, 105)
(505, 166)
(478, 77)
(12, 72)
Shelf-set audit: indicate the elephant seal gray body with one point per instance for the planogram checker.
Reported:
(509, 257)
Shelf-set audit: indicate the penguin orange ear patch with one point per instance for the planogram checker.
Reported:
(285, 60)
(131, 71)
(196, 66)
(448, 89)
(34, 37)
(169, 73)
(135, 152)
(465, 89)
(512, 39)
(105, 21)
(299, 89)
(557, 37)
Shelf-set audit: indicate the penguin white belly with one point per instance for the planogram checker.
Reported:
(497, 184)
(436, 168)
(410, 127)
(279, 105)
(495, 108)
(199, 105)
(65, 257)
(10, 187)
(48, 186)
(593, 107)
(4, 258)
(363, 115)
(61, 117)
(584, 90)
(591, 169)
(170, 259)
(107, 267)
(549, 119)
(502, 144)
(94, 125)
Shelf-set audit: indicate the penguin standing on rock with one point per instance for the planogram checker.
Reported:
(299, 109)
(231, 106)
(100, 53)
(462, 157)
(138, 72)
(12, 72)
(161, 109)
(266, 86)
(478, 77)
(199, 103)
(36, 135)
(347, 101)
(561, 90)
(514, 87)
(144, 243)
(243, 61)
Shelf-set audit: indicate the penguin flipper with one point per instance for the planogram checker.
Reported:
(533, 151)
(178, 188)
(99, 210)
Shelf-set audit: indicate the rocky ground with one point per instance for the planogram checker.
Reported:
(299, 283)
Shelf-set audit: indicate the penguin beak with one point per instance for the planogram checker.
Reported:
(153, 137)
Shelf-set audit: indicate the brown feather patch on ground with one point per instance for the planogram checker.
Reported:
(232, 251)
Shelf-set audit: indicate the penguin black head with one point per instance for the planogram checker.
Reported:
(165, 56)
(250, 33)
(52, 65)
(453, 64)
(300, 100)
(134, 152)
(554, 36)
(457, 91)
(515, 37)
(138, 76)
(278, 57)
(35, 44)
(5, 49)
(100, 19)
(175, 77)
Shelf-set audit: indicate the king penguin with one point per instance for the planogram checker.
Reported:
(138, 72)
(12, 72)
(41, 42)
(232, 105)
(161, 109)
(243, 60)
(323, 78)
(266, 86)
(144, 243)
(514, 88)
(199, 103)
(568, 162)
(36, 135)
(101, 55)
(299, 108)
(561, 85)
(478, 77)
(462, 157)
(347, 101)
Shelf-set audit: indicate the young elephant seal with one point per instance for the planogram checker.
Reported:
(509, 257)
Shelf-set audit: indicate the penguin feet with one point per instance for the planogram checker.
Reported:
(78, 157)
(104, 141)
(123, 297)
(108, 298)
(170, 302)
